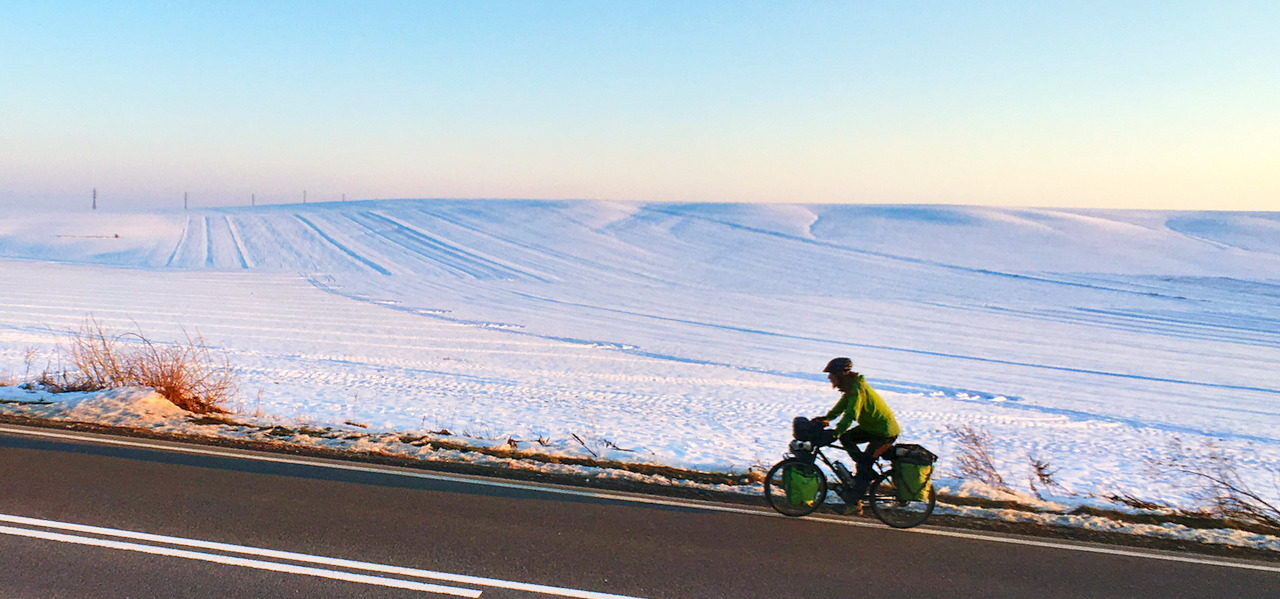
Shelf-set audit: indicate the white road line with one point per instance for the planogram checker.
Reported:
(1104, 550)
(242, 562)
(653, 501)
(305, 558)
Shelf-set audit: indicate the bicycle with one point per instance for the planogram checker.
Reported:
(882, 493)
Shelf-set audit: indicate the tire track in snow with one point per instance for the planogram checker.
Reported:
(182, 240)
(906, 350)
(1140, 324)
(241, 254)
(439, 251)
(903, 259)
(597, 270)
(342, 248)
(509, 330)
(1165, 327)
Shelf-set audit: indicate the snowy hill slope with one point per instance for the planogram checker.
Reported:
(693, 331)
(454, 236)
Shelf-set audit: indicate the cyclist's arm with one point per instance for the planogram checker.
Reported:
(835, 410)
(852, 402)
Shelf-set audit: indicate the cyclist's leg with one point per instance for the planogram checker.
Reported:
(862, 473)
(863, 459)
(862, 480)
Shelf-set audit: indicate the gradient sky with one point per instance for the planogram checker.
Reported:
(1085, 104)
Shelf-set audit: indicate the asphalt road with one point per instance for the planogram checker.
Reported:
(78, 519)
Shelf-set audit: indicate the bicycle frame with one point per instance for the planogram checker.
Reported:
(876, 470)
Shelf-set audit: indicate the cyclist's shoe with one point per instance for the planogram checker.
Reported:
(852, 501)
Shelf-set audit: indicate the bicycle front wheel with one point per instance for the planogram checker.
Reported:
(795, 487)
(896, 512)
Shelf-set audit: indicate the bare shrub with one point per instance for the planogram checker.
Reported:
(98, 357)
(184, 373)
(1042, 476)
(1134, 502)
(63, 382)
(1223, 489)
(974, 458)
(584, 445)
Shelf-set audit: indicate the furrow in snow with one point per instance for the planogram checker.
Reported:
(342, 248)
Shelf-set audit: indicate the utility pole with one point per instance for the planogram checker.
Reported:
(95, 198)
(184, 200)
(304, 196)
(253, 199)
(344, 197)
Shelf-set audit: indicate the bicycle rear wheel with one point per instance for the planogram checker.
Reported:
(795, 487)
(894, 511)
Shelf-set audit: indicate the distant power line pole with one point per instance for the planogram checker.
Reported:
(184, 200)
(304, 196)
(95, 198)
(344, 197)
(253, 199)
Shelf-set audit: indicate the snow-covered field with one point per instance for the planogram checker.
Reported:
(691, 334)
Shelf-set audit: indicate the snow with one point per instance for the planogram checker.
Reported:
(690, 334)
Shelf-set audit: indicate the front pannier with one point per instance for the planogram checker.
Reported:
(801, 484)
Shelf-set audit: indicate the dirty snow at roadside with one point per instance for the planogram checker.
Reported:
(690, 335)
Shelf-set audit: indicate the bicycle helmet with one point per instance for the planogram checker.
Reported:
(839, 365)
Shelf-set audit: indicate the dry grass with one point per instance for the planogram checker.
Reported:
(63, 382)
(12, 380)
(974, 458)
(184, 373)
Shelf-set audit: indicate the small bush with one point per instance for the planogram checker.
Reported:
(974, 458)
(1043, 478)
(64, 383)
(184, 373)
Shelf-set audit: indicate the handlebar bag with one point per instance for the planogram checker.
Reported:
(805, 429)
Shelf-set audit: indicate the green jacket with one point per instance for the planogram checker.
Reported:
(865, 406)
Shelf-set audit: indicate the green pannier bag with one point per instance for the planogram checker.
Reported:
(801, 485)
(912, 481)
(912, 469)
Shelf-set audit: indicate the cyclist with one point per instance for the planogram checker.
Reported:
(876, 425)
